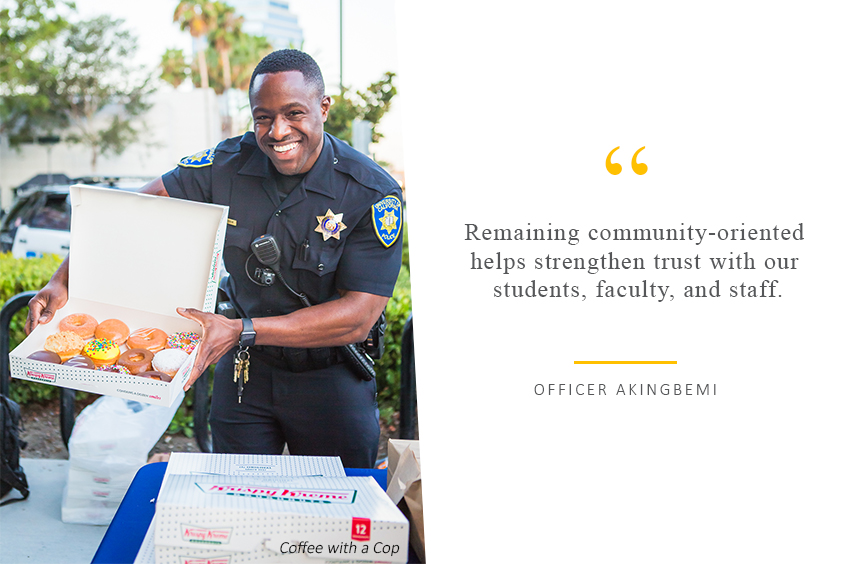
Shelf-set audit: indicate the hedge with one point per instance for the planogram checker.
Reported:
(21, 275)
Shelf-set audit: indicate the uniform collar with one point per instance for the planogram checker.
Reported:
(318, 179)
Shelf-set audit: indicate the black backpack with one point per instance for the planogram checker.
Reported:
(11, 473)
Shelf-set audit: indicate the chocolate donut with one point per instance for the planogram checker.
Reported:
(46, 356)
(156, 375)
(80, 361)
(137, 360)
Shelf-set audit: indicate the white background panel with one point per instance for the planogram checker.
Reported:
(509, 112)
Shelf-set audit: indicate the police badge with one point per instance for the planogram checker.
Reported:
(203, 158)
(387, 219)
(330, 225)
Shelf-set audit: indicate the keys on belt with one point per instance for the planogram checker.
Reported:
(242, 369)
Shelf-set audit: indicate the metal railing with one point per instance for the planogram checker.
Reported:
(12, 306)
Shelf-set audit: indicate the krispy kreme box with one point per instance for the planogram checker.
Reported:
(305, 519)
(134, 257)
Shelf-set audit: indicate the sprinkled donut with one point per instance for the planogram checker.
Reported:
(102, 352)
(185, 340)
(113, 329)
(80, 323)
(148, 338)
(137, 360)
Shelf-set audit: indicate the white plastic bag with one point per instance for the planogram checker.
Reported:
(110, 442)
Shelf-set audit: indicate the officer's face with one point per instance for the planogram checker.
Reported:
(288, 118)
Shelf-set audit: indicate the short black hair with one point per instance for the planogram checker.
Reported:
(291, 60)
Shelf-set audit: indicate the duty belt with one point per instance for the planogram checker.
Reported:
(298, 360)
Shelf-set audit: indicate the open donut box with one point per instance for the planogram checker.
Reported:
(134, 257)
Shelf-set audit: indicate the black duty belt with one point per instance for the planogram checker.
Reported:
(298, 360)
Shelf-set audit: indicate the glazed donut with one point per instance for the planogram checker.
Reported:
(169, 361)
(114, 330)
(156, 376)
(80, 361)
(46, 356)
(102, 352)
(185, 340)
(116, 368)
(137, 360)
(80, 323)
(65, 344)
(148, 338)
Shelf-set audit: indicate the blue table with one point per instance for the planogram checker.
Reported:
(124, 536)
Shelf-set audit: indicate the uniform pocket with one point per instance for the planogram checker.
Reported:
(240, 237)
(318, 258)
(313, 269)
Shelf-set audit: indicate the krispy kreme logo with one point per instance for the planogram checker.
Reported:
(282, 494)
(195, 560)
(40, 376)
(204, 535)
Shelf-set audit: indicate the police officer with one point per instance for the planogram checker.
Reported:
(337, 219)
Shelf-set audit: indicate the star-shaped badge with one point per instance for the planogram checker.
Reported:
(389, 221)
(330, 225)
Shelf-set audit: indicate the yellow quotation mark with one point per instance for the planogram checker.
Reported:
(615, 168)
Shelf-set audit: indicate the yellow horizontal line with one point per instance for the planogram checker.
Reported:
(624, 362)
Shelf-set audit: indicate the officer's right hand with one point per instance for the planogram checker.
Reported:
(45, 304)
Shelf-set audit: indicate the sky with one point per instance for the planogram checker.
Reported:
(369, 35)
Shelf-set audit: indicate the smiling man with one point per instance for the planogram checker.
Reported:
(337, 218)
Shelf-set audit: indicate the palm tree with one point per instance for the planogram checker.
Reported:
(226, 33)
(198, 17)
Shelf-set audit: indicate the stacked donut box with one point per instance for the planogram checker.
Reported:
(134, 257)
(233, 509)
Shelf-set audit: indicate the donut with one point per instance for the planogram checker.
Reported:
(46, 356)
(137, 360)
(80, 361)
(185, 340)
(169, 361)
(66, 344)
(148, 338)
(156, 376)
(102, 352)
(113, 329)
(80, 323)
(117, 369)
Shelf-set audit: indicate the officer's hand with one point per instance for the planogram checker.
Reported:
(47, 302)
(219, 335)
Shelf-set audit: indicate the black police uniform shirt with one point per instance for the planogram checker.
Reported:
(339, 228)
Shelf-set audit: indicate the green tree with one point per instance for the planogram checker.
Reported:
(198, 17)
(26, 29)
(370, 105)
(97, 87)
(246, 53)
(174, 69)
(224, 35)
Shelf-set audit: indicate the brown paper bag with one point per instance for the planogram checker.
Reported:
(404, 488)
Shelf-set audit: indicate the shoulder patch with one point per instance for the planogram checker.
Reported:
(387, 219)
(197, 160)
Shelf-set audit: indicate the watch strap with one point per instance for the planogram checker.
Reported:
(248, 334)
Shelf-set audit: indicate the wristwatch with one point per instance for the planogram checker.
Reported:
(248, 334)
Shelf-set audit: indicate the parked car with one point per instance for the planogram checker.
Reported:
(39, 221)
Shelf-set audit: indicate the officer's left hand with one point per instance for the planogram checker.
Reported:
(219, 335)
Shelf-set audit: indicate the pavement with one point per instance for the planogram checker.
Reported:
(32, 531)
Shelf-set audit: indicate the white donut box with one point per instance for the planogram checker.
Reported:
(134, 257)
